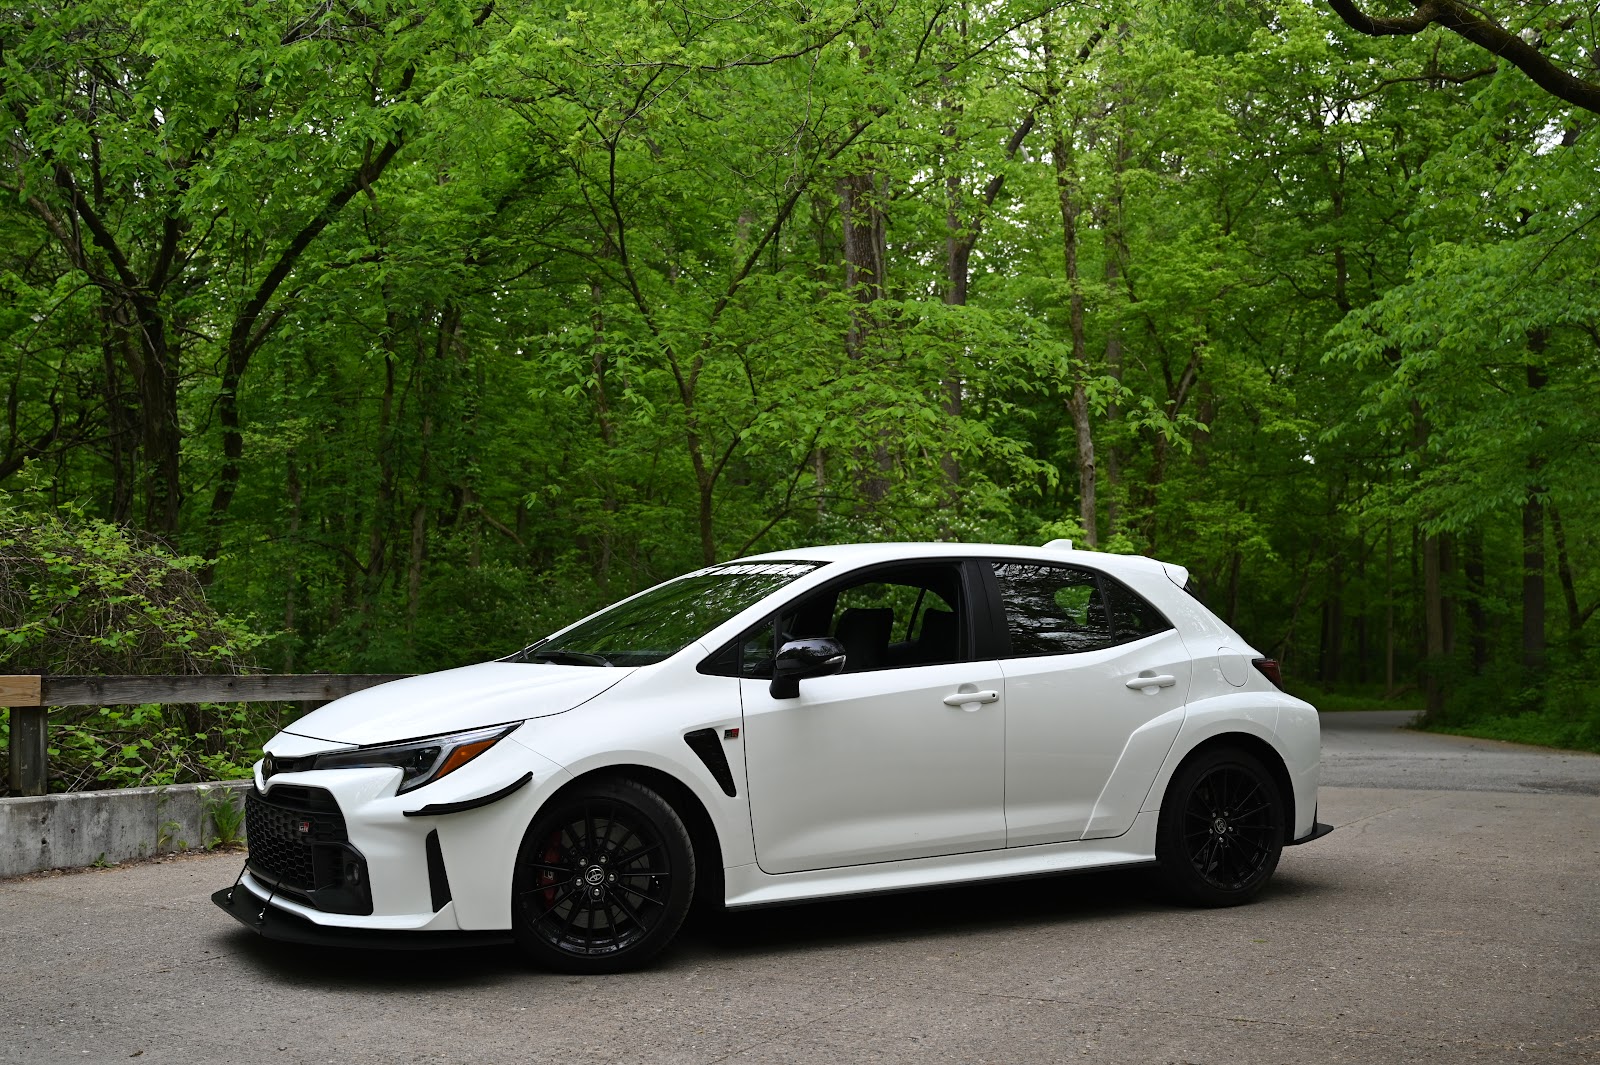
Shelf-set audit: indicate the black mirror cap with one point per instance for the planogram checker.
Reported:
(820, 656)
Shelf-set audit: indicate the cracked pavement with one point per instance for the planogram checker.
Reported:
(1440, 923)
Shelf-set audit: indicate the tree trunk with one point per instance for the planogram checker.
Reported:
(1388, 612)
(1233, 588)
(383, 501)
(1361, 620)
(1333, 625)
(1533, 601)
(957, 267)
(865, 254)
(291, 590)
(1576, 617)
(1069, 193)
(1114, 371)
(121, 446)
(1433, 612)
(158, 417)
(1533, 604)
(1477, 621)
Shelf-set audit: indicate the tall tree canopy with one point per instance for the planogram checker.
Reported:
(429, 327)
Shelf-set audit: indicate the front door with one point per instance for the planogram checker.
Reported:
(886, 760)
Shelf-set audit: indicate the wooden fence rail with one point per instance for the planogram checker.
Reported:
(30, 698)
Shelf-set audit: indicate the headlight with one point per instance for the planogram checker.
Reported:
(420, 761)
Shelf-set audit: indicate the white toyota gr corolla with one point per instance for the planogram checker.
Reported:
(792, 726)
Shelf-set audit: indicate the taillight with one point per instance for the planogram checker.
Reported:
(1268, 668)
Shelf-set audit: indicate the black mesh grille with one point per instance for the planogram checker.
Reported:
(280, 828)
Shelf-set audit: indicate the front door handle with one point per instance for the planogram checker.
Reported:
(969, 701)
(1149, 682)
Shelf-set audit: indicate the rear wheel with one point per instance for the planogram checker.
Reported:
(603, 880)
(1221, 829)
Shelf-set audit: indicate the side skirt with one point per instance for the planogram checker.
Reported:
(748, 886)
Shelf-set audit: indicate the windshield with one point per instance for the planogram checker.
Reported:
(661, 622)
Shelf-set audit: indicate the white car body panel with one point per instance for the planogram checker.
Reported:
(489, 693)
(867, 782)
(874, 767)
(1070, 722)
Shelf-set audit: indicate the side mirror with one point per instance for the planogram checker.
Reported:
(822, 656)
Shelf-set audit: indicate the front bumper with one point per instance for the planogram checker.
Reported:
(338, 849)
(266, 919)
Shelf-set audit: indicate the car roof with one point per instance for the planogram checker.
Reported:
(1054, 552)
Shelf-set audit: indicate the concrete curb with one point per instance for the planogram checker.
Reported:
(79, 828)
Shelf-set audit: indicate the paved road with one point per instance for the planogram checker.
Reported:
(1372, 750)
(1434, 926)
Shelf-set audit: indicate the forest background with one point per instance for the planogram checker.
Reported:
(376, 336)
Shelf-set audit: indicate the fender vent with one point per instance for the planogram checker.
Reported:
(704, 742)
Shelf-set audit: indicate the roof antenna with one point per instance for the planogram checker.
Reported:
(1058, 545)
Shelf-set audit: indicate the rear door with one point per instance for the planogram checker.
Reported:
(1095, 684)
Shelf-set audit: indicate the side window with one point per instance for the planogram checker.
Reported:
(1131, 617)
(906, 616)
(1052, 610)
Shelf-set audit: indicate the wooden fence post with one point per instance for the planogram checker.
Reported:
(30, 750)
(30, 735)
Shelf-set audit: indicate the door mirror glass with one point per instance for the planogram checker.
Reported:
(820, 656)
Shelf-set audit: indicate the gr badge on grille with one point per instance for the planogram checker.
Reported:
(305, 828)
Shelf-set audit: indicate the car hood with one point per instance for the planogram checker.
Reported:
(455, 699)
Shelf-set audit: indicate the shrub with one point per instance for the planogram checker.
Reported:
(86, 597)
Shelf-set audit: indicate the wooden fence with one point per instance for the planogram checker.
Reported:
(30, 698)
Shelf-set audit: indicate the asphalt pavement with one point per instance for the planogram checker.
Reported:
(1456, 925)
(1373, 749)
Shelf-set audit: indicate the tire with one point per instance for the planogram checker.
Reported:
(1221, 829)
(603, 880)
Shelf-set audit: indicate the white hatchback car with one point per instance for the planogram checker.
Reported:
(800, 725)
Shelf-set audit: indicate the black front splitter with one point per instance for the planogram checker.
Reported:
(263, 918)
(1318, 830)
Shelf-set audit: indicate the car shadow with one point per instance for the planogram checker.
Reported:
(967, 909)
(719, 937)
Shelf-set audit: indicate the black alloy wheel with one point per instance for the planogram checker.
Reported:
(1221, 829)
(603, 880)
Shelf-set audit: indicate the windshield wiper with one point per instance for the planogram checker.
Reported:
(575, 658)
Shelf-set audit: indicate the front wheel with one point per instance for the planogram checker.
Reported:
(1221, 829)
(603, 880)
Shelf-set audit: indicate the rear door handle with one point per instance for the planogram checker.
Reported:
(1150, 682)
(969, 700)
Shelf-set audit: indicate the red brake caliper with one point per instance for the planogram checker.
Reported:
(547, 877)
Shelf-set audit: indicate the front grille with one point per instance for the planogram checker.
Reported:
(282, 829)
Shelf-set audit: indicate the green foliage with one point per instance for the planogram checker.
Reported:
(80, 596)
(421, 330)
(226, 817)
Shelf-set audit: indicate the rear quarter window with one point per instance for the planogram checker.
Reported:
(1053, 608)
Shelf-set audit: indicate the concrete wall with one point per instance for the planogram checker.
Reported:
(78, 828)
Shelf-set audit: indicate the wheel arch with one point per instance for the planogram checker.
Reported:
(682, 798)
(1263, 751)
